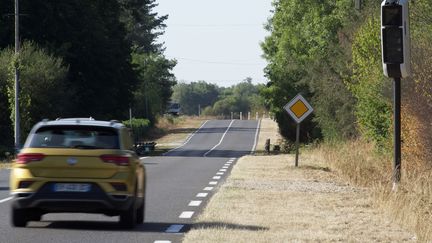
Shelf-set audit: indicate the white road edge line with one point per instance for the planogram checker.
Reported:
(194, 203)
(202, 194)
(6, 199)
(256, 137)
(223, 136)
(186, 214)
(188, 139)
(175, 228)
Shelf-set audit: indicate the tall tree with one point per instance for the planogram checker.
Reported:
(194, 95)
(90, 38)
(42, 91)
(154, 89)
(303, 52)
(142, 24)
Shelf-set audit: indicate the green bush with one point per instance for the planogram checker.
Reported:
(140, 127)
(368, 84)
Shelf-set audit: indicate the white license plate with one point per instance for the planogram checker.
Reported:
(72, 187)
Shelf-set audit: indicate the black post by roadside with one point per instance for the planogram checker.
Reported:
(397, 132)
(297, 144)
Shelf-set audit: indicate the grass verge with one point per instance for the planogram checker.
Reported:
(266, 199)
(410, 206)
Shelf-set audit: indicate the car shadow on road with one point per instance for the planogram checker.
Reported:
(109, 226)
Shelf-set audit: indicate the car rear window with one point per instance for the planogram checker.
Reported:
(80, 137)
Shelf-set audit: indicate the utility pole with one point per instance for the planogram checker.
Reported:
(17, 76)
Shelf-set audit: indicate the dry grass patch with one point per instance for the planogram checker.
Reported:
(268, 130)
(266, 199)
(410, 206)
(174, 133)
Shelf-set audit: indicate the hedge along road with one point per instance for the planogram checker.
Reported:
(179, 185)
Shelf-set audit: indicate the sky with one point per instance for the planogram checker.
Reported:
(217, 41)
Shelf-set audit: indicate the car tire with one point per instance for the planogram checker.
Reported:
(19, 217)
(140, 213)
(128, 218)
(34, 215)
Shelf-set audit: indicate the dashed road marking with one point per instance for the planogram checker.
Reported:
(6, 199)
(195, 203)
(162, 241)
(225, 167)
(213, 183)
(219, 173)
(175, 228)
(223, 170)
(202, 194)
(186, 214)
(209, 188)
(216, 177)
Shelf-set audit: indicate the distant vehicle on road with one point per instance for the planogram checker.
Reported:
(174, 109)
(78, 165)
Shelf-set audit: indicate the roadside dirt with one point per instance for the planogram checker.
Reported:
(267, 199)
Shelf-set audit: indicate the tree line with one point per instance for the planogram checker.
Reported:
(330, 52)
(211, 100)
(83, 58)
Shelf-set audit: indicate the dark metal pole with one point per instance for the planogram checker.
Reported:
(17, 76)
(397, 133)
(297, 144)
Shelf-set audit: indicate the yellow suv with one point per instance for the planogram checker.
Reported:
(78, 165)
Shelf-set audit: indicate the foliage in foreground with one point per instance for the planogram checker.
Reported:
(42, 85)
(102, 58)
(335, 61)
(139, 127)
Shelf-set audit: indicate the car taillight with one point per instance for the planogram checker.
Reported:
(29, 157)
(115, 159)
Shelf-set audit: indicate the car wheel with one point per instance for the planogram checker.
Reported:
(19, 217)
(128, 218)
(140, 213)
(34, 215)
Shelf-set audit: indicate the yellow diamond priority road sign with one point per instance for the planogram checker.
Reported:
(298, 108)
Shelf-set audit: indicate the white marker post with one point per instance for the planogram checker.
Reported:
(298, 108)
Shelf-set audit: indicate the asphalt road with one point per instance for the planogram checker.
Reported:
(179, 184)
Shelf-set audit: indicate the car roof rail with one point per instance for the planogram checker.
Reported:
(112, 122)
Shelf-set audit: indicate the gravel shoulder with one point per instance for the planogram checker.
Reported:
(267, 199)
